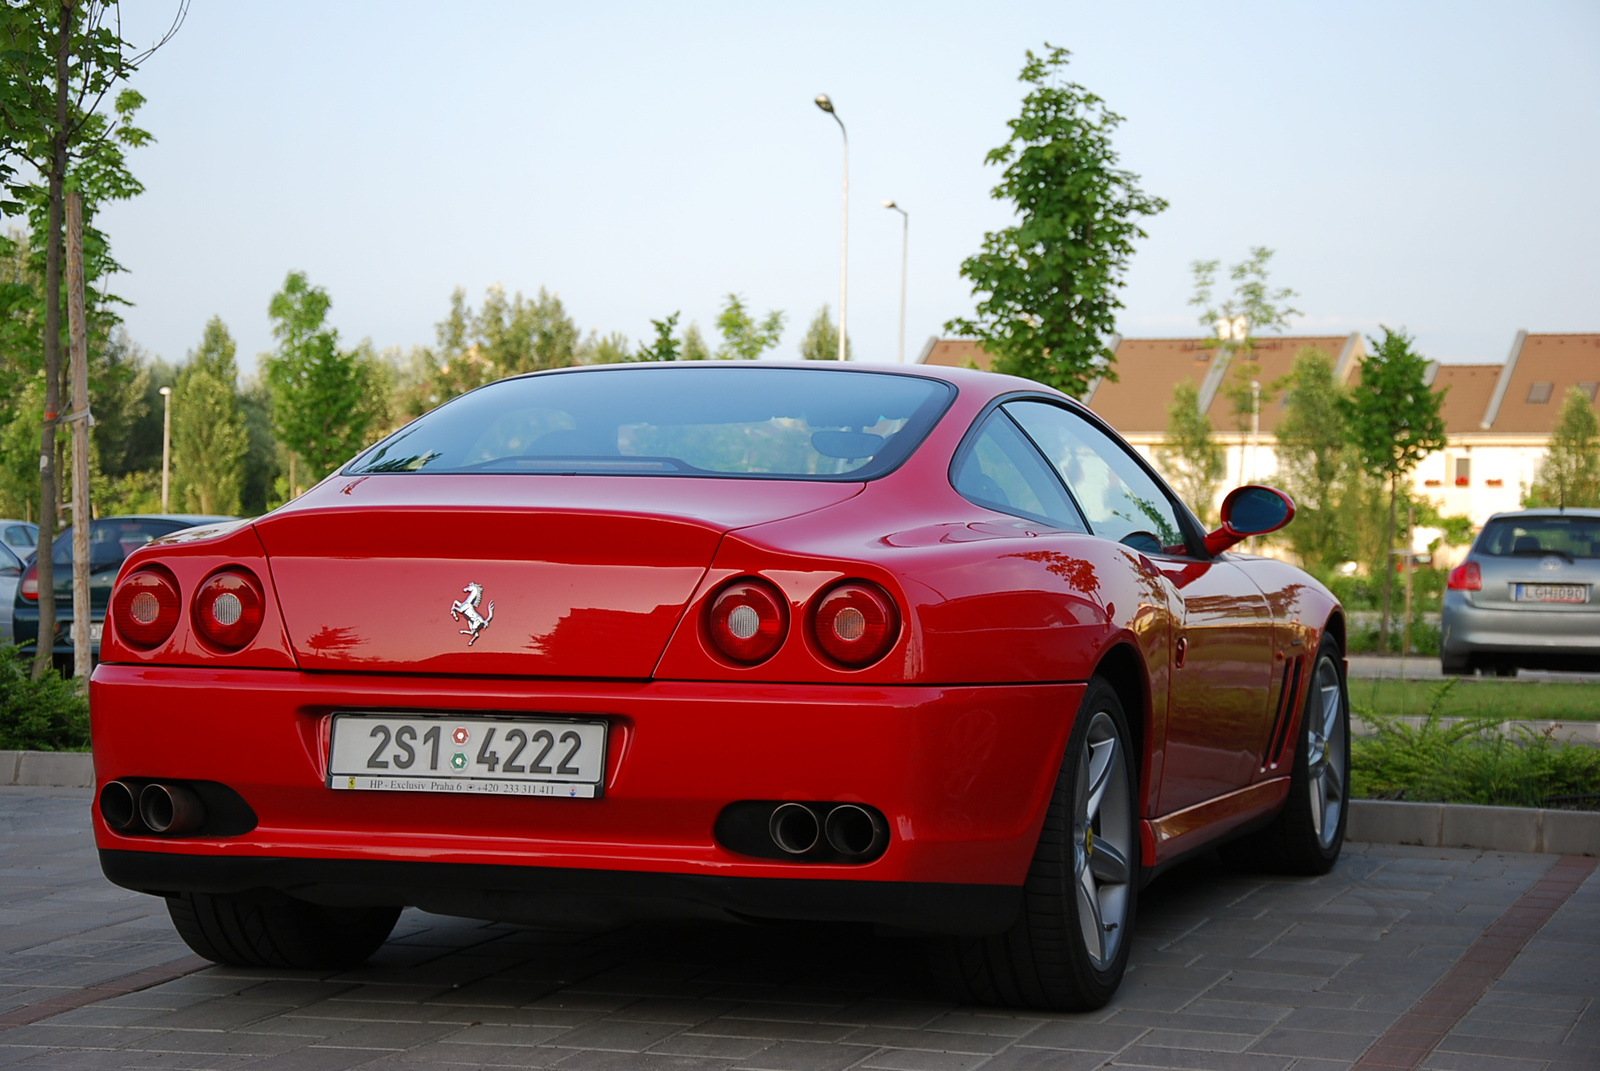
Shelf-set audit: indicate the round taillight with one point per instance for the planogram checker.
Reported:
(748, 621)
(856, 624)
(145, 608)
(227, 609)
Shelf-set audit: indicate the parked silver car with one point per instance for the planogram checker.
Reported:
(1526, 596)
(10, 576)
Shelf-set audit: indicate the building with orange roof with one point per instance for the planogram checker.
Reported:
(1498, 417)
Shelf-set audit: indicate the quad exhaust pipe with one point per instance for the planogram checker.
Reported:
(849, 830)
(134, 806)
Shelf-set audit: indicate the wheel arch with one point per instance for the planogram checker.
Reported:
(1335, 627)
(1123, 668)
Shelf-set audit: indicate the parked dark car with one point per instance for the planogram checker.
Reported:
(111, 539)
(1525, 596)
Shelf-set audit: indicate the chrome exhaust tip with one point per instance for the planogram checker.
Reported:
(794, 828)
(171, 808)
(119, 806)
(854, 831)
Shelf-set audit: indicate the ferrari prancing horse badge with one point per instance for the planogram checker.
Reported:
(468, 608)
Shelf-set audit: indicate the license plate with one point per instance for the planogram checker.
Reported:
(95, 630)
(1550, 592)
(491, 756)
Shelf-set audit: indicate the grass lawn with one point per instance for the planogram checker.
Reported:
(1470, 698)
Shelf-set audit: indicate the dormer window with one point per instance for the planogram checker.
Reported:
(1539, 393)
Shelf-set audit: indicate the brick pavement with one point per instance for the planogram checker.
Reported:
(1230, 973)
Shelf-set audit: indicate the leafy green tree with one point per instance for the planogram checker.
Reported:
(208, 434)
(663, 347)
(317, 390)
(745, 338)
(821, 341)
(693, 346)
(1569, 475)
(1254, 308)
(65, 120)
(261, 465)
(1047, 285)
(504, 337)
(1394, 423)
(1190, 454)
(605, 349)
(1313, 449)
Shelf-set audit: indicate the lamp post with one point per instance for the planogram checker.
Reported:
(844, 224)
(166, 442)
(905, 243)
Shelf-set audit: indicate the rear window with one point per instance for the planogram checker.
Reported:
(1570, 537)
(111, 540)
(704, 420)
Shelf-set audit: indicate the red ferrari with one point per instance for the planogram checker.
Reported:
(928, 649)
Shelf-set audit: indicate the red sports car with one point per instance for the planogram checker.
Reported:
(930, 649)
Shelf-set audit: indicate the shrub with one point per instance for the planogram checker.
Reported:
(48, 714)
(1470, 761)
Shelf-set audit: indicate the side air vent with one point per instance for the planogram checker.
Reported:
(1288, 694)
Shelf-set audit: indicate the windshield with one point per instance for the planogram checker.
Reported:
(706, 420)
(1568, 537)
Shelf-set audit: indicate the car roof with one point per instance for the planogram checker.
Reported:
(990, 382)
(1573, 511)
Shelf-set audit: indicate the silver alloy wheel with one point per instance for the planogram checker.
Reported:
(1103, 840)
(1327, 754)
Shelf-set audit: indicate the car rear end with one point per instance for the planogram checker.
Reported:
(1526, 595)
(561, 687)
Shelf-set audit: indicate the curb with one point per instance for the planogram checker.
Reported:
(47, 769)
(1580, 733)
(1427, 825)
(1462, 825)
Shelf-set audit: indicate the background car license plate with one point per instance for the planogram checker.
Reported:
(491, 756)
(1550, 592)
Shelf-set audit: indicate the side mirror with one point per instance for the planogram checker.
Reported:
(1250, 511)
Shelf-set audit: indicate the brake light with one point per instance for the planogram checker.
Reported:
(1465, 577)
(145, 608)
(30, 583)
(228, 608)
(748, 621)
(856, 623)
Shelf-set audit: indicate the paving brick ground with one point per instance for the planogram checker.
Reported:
(1230, 972)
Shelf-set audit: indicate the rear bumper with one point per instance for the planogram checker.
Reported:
(1525, 635)
(962, 775)
(555, 896)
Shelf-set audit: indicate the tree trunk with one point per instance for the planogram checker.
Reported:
(1388, 567)
(44, 650)
(78, 354)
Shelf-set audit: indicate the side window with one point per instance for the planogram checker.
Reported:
(1002, 470)
(1120, 500)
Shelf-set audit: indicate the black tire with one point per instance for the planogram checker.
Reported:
(1455, 665)
(272, 930)
(1303, 838)
(1044, 961)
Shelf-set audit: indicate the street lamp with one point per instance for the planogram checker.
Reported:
(905, 239)
(166, 442)
(844, 223)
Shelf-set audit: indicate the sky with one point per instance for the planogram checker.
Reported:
(1432, 166)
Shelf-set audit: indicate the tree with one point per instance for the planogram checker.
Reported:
(1394, 423)
(1190, 455)
(1261, 308)
(1569, 475)
(821, 341)
(743, 337)
(1048, 284)
(317, 391)
(604, 349)
(208, 433)
(62, 61)
(505, 337)
(1313, 443)
(693, 345)
(1253, 309)
(665, 347)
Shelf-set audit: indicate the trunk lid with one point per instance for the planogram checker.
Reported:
(571, 576)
